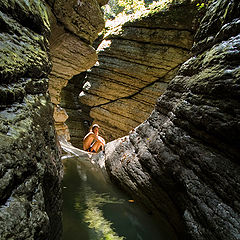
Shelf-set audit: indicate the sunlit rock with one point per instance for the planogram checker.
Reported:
(136, 61)
(81, 17)
(70, 43)
(60, 116)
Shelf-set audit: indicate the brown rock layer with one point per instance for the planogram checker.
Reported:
(74, 26)
(136, 62)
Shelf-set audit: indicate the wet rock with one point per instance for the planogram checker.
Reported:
(30, 167)
(183, 161)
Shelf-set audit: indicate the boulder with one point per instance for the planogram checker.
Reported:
(83, 18)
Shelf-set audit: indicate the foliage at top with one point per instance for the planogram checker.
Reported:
(116, 12)
(126, 7)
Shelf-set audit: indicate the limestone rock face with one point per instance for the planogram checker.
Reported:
(60, 116)
(74, 26)
(136, 62)
(30, 167)
(183, 161)
(82, 17)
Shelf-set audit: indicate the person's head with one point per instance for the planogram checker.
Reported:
(95, 128)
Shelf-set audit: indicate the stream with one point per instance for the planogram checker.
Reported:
(93, 209)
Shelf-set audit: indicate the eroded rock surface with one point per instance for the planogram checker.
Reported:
(30, 167)
(183, 161)
(74, 25)
(136, 62)
(78, 121)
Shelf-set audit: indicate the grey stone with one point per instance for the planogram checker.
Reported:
(30, 166)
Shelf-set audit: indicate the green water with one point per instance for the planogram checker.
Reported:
(94, 210)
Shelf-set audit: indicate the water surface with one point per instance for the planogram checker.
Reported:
(94, 210)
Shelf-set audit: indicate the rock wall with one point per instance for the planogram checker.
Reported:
(43, 45)
(74, 25)
(136, 60)
(79, 119)
(183, 161)
(30, 166)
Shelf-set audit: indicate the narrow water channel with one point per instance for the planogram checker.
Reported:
(94, 210)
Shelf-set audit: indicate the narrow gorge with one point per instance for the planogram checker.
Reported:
(135, 64)
(164, 87)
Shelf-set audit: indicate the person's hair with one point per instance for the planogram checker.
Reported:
(95, 126)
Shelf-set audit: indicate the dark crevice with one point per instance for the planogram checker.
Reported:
(161, 28)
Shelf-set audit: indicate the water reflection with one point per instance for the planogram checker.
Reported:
(90, 208)
(94, 210)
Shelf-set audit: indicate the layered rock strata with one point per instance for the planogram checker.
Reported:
(136, 61)
(30, 167)
(74, 26)
(183, 161)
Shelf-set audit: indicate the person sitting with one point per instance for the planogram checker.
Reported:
(92, 142)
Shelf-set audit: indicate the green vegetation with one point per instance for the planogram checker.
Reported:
(120, 8)
(117, 12)
(200, 5)
(131, 6)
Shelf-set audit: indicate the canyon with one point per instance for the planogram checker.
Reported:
(164, 88)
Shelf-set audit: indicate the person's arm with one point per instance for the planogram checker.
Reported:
(101, 140)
